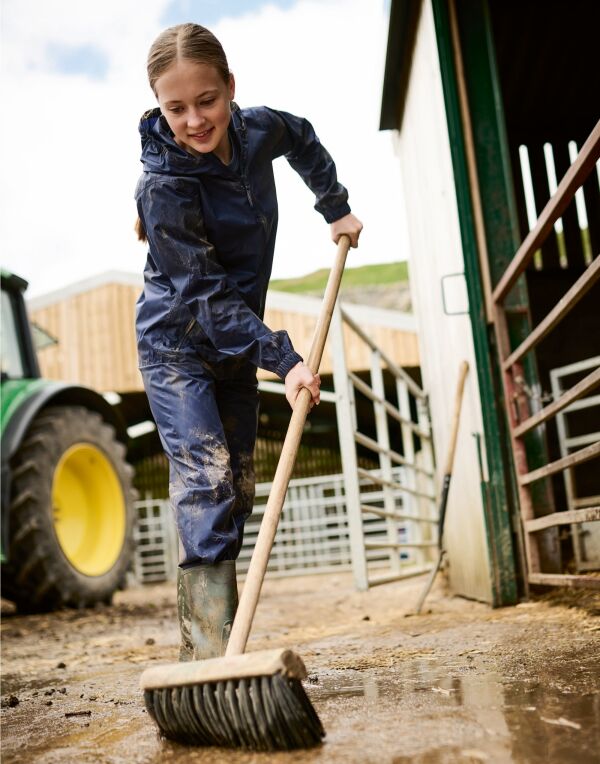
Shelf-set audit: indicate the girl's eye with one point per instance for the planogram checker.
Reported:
(176, 109)
(207, 103)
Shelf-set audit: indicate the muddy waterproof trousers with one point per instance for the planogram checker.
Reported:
(207, 427)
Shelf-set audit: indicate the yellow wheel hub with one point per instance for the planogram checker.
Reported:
(89, 509)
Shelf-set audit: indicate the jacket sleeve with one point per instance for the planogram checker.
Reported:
(296, 139)
(171, 213)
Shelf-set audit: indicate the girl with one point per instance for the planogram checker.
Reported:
(208, 210)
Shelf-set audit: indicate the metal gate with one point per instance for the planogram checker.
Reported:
(312, 537)
(405, 481)
(523, 418)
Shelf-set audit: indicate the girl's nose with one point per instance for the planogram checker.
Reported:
(195, 118)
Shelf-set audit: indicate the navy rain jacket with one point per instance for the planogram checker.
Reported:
(211, 234)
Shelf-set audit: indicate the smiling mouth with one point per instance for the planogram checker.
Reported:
(201, 136)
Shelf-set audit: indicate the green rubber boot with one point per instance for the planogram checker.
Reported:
(207, 599)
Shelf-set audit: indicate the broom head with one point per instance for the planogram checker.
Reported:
(254, 701)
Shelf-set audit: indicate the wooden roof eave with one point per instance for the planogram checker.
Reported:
(402, 33)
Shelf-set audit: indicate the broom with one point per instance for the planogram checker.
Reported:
(254, 700)
(462, 375)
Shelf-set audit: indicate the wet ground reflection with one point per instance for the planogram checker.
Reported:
(525, 720)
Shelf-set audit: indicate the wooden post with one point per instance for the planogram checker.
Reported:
(345, 421)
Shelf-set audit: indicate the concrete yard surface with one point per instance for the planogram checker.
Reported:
(460, 683)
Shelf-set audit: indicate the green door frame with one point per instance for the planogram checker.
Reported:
(503, 236)
(498, 494)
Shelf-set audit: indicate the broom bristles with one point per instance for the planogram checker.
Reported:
(261, 713)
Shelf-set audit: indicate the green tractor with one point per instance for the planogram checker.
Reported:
(67, 493)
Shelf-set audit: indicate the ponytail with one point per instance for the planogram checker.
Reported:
(140, 230)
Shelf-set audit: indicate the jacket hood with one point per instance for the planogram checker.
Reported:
(160, 152)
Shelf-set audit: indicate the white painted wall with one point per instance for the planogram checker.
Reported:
(435, 250)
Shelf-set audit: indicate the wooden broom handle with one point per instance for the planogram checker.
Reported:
(268, 527)
(462, 375)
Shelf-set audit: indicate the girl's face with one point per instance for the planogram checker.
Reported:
(196, 104)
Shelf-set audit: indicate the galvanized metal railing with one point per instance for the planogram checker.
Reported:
(312, 537)
(585, 536)
(521, 420)
(156, 553)
(409, 504)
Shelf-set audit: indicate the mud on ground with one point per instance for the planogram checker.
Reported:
(460, 683)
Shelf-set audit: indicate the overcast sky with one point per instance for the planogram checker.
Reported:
(74, 86)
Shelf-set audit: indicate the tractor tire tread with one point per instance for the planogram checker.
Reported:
(38, 577)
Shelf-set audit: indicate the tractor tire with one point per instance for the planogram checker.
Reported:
(71, 513)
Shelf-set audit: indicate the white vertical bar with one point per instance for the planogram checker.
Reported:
(562, 428)
(552, 182)
(529, 198)
(427, 485)
(385, 463)
(582, 217)
(409, 503)
(553, 185)
(314, 526)
(532, 215)
(345, 419)
(343, 517)
(579, 198)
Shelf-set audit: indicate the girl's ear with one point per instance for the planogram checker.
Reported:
(231, 87)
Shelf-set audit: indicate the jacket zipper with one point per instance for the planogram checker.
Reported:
(261, 217)
(245, 183)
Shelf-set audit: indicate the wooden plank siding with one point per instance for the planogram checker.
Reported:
(96, 339)
(401, 346)
(94, 324)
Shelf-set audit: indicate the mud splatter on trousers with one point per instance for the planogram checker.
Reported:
(207, 426)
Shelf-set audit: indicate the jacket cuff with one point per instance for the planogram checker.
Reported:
(289, 361)
(335, 214)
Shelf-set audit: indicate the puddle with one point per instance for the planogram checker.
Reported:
(495, 718)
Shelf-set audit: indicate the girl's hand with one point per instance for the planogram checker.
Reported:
(300, 376)
(349, 225)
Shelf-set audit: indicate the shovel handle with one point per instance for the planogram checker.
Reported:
(268, 527)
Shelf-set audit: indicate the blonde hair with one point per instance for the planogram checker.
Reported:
(190, 42)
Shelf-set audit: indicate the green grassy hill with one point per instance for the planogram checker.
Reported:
(364, 276)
